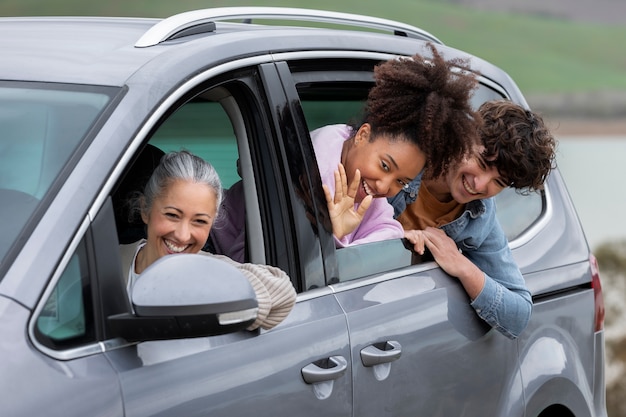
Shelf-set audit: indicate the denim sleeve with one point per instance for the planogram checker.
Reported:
(504, 303)
(406, 196)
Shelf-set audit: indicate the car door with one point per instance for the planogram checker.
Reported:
(417, 346)
(300, 367)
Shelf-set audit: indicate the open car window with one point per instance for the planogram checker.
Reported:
(340, 101)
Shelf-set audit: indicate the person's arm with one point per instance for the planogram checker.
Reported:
(274, 292)
(504, 302)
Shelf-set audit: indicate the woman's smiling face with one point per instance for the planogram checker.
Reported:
(180, 219)
(386, 164)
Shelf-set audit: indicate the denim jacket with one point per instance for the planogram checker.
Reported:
(504, 303)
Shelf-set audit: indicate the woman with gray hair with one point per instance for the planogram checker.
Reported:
(179, 205)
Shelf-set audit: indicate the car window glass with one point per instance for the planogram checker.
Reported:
(42, 125)
(484, 93)
(517, 212)
(66, 317)
(365, 259)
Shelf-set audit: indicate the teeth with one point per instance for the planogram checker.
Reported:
(367, 189)
(468, 188)
(175, 248)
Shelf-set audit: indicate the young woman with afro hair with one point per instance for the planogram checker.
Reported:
(417, 120)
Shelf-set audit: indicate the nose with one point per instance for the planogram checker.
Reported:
(481, 182)
(385, 185)
(183, 232)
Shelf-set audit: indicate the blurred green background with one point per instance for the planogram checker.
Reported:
(543, 54)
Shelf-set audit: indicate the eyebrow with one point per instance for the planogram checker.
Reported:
(393, 161)
(180, 211)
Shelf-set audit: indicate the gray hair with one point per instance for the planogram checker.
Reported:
(182, 165)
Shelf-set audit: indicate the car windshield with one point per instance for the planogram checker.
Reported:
(41, 126)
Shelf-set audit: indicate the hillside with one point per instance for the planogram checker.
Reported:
(606, 12)
(584, 113)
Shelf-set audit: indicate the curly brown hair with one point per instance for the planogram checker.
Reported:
(426, 101)
(517, 143)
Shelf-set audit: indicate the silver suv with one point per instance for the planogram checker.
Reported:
(87, 106)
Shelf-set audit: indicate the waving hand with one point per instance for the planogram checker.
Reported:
(343, 215)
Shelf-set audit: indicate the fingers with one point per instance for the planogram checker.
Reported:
(436, 235)
(354, 185)
(365, 204)
(341, 184)
(417, 238)
(344, 179)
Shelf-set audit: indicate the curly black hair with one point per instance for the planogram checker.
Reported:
(426, 101)
(517, 143)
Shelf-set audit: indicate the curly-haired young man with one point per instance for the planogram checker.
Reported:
(453, 215)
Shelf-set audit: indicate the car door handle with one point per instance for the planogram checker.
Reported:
(379, 353)
(325, 369)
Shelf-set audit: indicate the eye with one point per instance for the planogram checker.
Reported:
(403, 183)
(501, 183)
(171, 215)
(481, 162)
(384, 166)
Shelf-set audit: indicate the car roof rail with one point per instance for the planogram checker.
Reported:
(198, 21)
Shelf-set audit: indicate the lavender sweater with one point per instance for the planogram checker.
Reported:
(378, 222)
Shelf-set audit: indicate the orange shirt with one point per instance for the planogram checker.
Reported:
(428, 211)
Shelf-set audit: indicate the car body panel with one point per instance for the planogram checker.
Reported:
(33, 383)
(223, 374)
(444, 347)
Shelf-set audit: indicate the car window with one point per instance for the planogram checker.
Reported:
(202, 127)
(517, 212)
(325, 102)
(66, 318)
(42, 126)
(365, 259)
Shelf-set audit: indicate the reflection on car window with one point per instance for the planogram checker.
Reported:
(363, 260)
(42, 125)
(65, 320)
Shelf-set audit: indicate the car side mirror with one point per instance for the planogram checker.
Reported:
(187, 295)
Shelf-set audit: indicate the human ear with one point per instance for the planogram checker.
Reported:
(363, 134)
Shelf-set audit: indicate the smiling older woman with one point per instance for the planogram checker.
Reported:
(179, 205)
